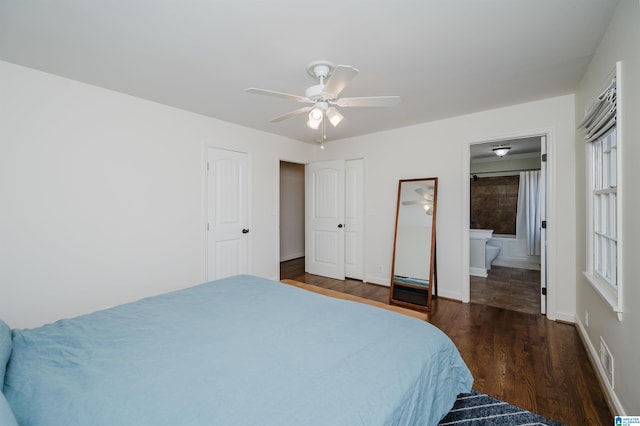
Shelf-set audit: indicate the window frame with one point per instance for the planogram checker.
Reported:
(603, 214)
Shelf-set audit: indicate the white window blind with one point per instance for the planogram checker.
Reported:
(601, 117)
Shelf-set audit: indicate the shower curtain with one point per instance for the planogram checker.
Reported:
(528, 214)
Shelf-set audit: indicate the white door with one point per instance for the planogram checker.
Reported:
(354, 219)
(228, 230)
(324, 219)
(543, 230)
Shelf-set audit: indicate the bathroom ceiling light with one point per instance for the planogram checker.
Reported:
(501, 151)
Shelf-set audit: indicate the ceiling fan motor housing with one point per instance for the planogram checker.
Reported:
(314, 92)
(320, 69)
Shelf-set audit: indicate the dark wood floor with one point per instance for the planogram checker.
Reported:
(509, 288)
(522, 358)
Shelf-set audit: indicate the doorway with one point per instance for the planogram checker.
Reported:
(227, 213)
(507, 211)
(292, 193)
(333, 195)
(334, 227)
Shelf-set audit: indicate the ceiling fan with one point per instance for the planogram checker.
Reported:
(426, 202)
(323, 98)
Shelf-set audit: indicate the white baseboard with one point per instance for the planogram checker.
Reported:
(570, 318)
(612, 399)
(477, 272)
(516, 263)
(286, 257)
(453, 295)
(373, 279)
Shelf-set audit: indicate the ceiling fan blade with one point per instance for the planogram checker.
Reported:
(278, 94)
(414, 203)
(424, 193)
(340, 77)
(291, 114)
(368, 101)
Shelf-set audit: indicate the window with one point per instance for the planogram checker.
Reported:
(603, 225)
(604, 197)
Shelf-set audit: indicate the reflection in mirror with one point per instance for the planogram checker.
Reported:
(413, 275)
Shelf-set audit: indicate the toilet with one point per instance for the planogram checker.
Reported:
(491, 251)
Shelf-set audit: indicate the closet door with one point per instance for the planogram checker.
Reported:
(228, 230)
(334, 219)
(324, 219)
(354, 219)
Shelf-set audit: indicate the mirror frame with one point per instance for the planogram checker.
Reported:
(431, 287)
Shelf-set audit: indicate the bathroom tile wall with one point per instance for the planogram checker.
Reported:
(494, 201)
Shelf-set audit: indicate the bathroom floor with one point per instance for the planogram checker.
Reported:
(508, 288)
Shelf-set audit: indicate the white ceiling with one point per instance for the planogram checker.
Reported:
(443, 57)
(520, 146)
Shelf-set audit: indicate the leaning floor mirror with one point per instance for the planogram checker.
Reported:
(414, 274)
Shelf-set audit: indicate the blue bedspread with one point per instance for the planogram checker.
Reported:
(238, 351)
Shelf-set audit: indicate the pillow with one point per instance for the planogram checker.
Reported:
(5, 350)
(6, 415)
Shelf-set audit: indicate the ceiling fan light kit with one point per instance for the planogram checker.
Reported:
(334, 116)
(314, 123)
(324, 96)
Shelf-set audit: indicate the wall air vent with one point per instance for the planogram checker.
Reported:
(606, 360)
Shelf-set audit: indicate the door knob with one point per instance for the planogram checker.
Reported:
(245, 231)
(340, 225)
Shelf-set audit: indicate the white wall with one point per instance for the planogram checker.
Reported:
(620, 43)
(291, 210)
(485, 166)
(413, 244)
(103, 196)
(413, 236)
(103, 193)
(440, 149)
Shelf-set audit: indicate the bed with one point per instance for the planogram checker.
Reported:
(408, 280)
(237, 351)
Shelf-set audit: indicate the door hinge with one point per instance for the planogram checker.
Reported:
(207, 226)
(544, 291)
(207, 166)
(543, 158)
(544, 224)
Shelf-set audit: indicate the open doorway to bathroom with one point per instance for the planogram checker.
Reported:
(507, 206)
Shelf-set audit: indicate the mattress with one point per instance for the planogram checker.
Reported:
(237, 351)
